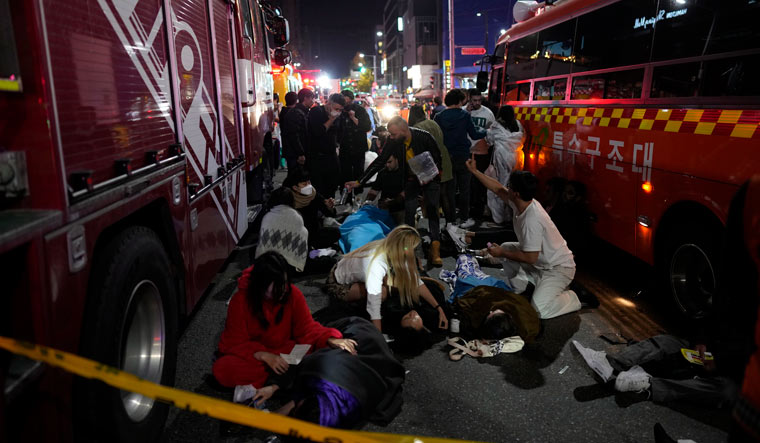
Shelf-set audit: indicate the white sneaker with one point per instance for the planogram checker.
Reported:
(243, 394)
(635, 379)
(467, 224)
(596, 360)
(457, 234)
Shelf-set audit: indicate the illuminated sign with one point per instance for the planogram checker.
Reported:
(473, 51)
(643, 22)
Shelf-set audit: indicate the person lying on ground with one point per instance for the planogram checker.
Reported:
(372, 270)
(540, 256)
(339, 389)
(267, 316)
(492, 313)
(656, 369)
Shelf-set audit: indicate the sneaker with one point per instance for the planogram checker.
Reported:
(596, 360)
(457, 234)
(467, 224)
(635, 379)
(243, 394)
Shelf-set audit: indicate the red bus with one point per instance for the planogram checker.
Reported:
(129, 132)
(654, 105)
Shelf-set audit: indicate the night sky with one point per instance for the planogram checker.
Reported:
(345, 27)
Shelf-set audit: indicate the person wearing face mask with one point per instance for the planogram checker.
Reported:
(312, 206)
(322, 156)
(265, 318)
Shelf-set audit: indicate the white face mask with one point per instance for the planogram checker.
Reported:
(335, 114)
(307, 190)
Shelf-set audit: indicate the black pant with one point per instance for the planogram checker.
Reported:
(662, 355)
(462, 177)
(478, 191)
(448, 201)
(351, 166)
(431, 196)
(325, 174)
(324, 238)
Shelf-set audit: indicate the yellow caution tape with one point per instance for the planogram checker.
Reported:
(201, 404)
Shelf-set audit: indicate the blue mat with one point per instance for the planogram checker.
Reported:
(365, 225)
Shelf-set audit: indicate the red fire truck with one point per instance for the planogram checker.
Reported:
(654, 105)
(129, 133)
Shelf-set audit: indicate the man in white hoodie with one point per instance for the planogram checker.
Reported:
(482, 118)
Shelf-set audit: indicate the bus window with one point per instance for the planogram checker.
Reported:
(516, 93)
(675, 81)
(499, 53)
(734, 76)
(736, 27)
(494, 93)
(555, 48)
(611, 85)
(521, 58)
(248, 28)
(616, 35)
(550, 89)
(10, 73)
(683, 29)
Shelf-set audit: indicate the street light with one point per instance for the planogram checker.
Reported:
(379, 33)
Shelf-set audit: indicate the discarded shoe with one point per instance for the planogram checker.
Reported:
(457, 235)
(635, 379)
(596, 360)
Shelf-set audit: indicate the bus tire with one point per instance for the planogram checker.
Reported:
(691, 271)
(130, 324)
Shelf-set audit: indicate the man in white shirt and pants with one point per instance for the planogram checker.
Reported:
(483, 118)
(540, 256)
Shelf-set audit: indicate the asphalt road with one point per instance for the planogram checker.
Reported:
(511, 397)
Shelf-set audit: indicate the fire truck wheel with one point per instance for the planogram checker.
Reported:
(692, 273)
(131, 324)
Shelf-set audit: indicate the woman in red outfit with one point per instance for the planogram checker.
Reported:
(268, 316)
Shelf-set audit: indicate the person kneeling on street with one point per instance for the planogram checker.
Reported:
(267, 316)
(375, 269)
(540, 256)
(310, 204)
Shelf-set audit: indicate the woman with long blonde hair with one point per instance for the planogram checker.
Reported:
(374, 269)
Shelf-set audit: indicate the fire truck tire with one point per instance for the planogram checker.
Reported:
(691, 271)
(131, 323)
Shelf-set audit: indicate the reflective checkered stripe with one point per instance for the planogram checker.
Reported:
(726, 122)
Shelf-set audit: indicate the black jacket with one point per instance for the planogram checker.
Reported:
(353, 140)
(421, 141)
(295, 134)
(323, 141)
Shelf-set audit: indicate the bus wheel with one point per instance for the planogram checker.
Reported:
(131, 324)
(692, 275)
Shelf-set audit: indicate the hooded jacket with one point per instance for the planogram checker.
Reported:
(456, 124)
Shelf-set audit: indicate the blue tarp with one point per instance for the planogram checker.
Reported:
(367, 224)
